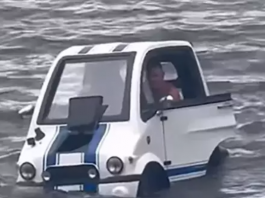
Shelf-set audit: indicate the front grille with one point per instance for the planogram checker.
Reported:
(69, 175)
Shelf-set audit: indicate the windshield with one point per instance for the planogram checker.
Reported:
(108, 78)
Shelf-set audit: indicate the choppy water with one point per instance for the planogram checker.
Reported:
(228, 35)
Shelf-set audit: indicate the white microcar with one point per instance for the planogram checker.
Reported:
(124, 119)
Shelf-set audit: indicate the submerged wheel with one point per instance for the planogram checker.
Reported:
(218, 156)
(153, 179)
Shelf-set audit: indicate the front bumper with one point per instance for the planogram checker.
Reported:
(121, 186)
(108, 180)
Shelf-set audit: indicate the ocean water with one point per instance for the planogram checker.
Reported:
(229, 37)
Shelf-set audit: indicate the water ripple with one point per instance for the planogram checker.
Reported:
(228, 36)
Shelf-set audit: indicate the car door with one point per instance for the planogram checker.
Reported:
(151, 123)
(192, 129)
(196, 124)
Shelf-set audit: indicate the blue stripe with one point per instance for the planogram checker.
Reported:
(120, 47)
(51, 154)
(91, 155)
(85, 50)
(186, 170)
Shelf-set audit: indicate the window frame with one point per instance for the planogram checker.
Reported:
(56, 76)
(148, 113)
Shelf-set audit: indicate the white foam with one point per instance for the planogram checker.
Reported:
(241, 190)
(260, 139)
(236, 78)
(13, 139)
(239, 152)
(239, 126)
(3, 184)
(8, 155)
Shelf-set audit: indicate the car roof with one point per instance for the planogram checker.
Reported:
(114, 47)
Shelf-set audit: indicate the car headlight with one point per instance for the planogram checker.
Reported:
(114, 165)
(27, 171)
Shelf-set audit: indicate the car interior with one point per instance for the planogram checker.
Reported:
(181, 70)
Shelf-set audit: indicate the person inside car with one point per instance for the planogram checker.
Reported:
(159, 86)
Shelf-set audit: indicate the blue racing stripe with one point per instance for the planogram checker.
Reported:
(186, 170)
(91, 154)
(51, 155)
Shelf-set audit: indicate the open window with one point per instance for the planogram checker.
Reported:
(181, 70)
(171, 75)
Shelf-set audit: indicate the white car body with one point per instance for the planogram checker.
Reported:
(181, 144)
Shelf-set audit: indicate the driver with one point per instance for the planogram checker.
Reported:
(159, 86)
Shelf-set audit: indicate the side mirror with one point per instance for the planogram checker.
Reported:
(26, 111)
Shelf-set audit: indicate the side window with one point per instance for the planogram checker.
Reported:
(146, 90)
(180, 71)
(171, 75)
(189, 75)
(147, 94)
(146, 97)
(170, 71)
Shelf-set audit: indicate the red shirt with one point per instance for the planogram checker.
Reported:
(166, 89)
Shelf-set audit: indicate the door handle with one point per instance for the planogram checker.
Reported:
(227, 105)
(163, 118)
(167, 163)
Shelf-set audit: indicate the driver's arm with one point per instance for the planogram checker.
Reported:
(175, 94)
